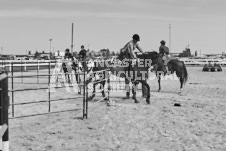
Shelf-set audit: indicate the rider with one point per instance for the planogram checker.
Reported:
(163, 54)
(82, 53)
(68, 55)
(128, 50)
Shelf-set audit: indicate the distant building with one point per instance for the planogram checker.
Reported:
(45, 56)
(7, 57)
(59, 53)
(20, 57)
(174, 54)
(185, 53)
(30, 57)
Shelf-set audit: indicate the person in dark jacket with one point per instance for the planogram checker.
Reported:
(82, 53)
(163, 54)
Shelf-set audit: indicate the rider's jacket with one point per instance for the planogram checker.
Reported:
(82, 54)
(126, 48)
(68, 56)
(163, 50)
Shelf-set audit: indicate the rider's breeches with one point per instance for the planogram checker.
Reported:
(164, 59)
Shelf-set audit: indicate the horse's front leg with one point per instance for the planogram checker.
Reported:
(68, 75)
(134, 89)
(144, 91)
(158, 75)
(78, 80)
(94, 90)
(103, 91)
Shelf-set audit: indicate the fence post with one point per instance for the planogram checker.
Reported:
(37, 71)
(84, 90)
(12, 89)
(21, 64)
(86, 99)
(4, 104)
(109, 86)
(49, 86)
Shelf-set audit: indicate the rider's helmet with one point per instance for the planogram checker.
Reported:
(163, 42)
(136, 37)
(82, 46)
(67, 50)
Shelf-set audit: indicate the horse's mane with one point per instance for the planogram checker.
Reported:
(149, 55)
(152, 52)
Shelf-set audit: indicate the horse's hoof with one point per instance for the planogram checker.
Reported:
(105, 99)
(148, 101)
(127, 97)
(90, 98)
(135, 100)
(159, 90)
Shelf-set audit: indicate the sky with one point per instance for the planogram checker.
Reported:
(28, 25)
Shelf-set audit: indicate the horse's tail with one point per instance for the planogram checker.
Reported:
(185, 74)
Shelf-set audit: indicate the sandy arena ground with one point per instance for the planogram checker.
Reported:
(199, 124)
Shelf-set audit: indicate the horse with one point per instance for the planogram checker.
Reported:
(138, 72)
(174, 65)
(72, 65)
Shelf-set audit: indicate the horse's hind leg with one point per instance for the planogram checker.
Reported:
(144, 91)
(148, 90)
(181, 85)
(134, 89)
(127, 88)
(69, 81)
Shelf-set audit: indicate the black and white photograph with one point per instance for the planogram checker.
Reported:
(112, 75)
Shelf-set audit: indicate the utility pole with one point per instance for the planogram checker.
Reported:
(72, 32)
(170, 38)
(50, 48)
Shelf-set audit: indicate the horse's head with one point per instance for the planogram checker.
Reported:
(90, 64)
(87, 65)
